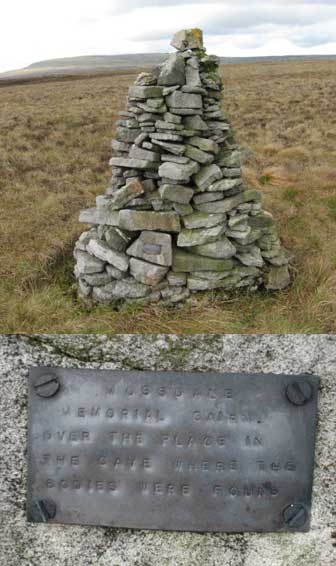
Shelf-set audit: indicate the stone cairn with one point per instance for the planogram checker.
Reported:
(177, 217)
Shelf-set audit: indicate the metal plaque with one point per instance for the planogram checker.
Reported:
(167, 450)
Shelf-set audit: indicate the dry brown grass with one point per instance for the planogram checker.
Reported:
(54, 148)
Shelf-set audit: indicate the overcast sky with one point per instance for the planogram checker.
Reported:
(34, 30)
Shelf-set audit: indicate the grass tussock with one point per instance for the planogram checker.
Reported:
(54, 149)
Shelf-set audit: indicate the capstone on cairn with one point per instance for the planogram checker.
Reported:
(177, 217)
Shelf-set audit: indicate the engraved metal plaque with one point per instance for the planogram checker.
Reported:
(166, 450)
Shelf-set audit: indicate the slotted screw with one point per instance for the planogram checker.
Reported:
(299, 392)
(295, 515)
(42, 510)
(46, 385)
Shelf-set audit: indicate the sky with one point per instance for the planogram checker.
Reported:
(35, 30)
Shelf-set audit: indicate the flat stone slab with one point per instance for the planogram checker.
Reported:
(153, 247)
(143, 220)
(99, 216)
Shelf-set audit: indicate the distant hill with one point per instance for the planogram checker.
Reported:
(105, 63)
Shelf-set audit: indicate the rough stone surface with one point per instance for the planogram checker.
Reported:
(145, 272)
(178, 171)
(105, 253)
(136, 220)
(153, 247)
(23, 544)
(173, 71)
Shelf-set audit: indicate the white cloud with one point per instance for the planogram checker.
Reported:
(37, 29)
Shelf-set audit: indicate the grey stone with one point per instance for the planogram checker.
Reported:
(97, 279)
(207, 197)
(277, 278)
(115, 272)
(188, 39)
(183, 209)
(235, 158)
(147, 273)
(198, 155)
(199, 236)
(163, 125)
(174, 295)
(102, 251)
(173, 71)
(204, 144)
(120, 146)
(212, 275)
(176, 149)
(87, 264)
(146, 79)
(231, 172)
(139, 220)
(202, 220)
(252, 257)
(144, 92)
(153, 247)
(166, 137)
(178, 171)
(127, 135)
(147, 108)
(222, 248)
(99, 216)
(186, 111)
(195, 123)
(229, 203)
(139, 153)
(176, 193)
(225, 185)
(127, 288)
(172, 118)
(122, 196)
(174, 158)
(229, 282)
(117, 239)
(192, 74)
(206, 176)
(280, 258)
(84, 289)
(180, 99)
(132, 163)
(188, 262)
(176, 279)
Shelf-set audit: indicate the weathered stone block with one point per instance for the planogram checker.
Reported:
(153, 247)
(173, 71)
(222, 248)
(178, 171)
(176, 193)
(202, 220)
(144, 92)
(189, 262)
(143, 220)
(199, 236)
(207, 176)
(99, 216)
(102, 251)
(180, 99)
(147, 273)
(88, 264)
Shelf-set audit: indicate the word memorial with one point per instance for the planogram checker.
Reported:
(168, 450)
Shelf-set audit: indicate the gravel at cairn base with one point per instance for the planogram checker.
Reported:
(176, 171)
(24, 544)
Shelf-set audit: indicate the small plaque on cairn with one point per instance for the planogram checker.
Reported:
(177, 217)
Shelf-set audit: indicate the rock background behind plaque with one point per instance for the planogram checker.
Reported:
(177, 217)
(23, 544)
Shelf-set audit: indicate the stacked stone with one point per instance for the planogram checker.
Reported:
(177, 217)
